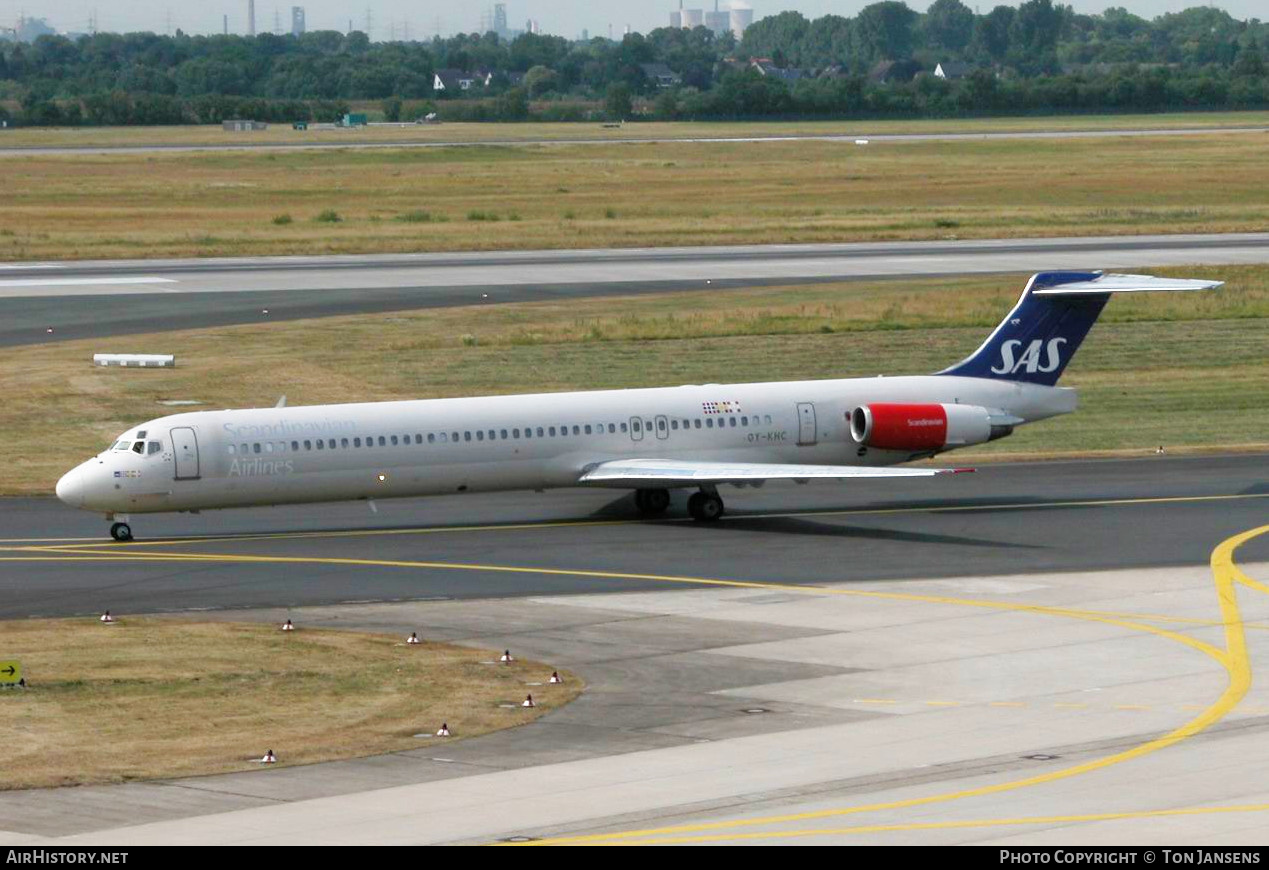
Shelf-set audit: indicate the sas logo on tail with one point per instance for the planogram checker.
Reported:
(1030, 359)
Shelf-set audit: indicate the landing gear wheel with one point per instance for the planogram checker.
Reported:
(705, 507)
(121, 532)
(652, 501)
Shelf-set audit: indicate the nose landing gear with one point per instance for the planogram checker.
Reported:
(121, 532)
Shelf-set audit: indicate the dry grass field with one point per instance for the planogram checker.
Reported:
(148, 698)
(282, 134)
(1184, 370)
(501, 197)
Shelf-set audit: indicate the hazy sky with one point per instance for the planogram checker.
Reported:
(422, 17)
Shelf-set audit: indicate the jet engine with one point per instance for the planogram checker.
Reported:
(922, 428)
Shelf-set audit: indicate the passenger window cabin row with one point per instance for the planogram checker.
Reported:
(635, 426)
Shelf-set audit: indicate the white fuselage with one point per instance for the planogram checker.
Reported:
(262, 456)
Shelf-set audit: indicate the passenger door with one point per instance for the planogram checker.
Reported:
(185, 452)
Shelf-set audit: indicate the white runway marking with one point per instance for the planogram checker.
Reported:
(66, 282)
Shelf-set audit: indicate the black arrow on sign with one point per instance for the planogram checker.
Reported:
(9, 670)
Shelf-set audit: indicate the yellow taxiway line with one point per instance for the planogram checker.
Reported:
(573, 524)
(1234, 659)
(943, 826)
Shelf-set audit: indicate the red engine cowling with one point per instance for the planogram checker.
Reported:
(921, 428)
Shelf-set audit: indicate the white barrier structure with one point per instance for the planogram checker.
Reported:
(136, 360)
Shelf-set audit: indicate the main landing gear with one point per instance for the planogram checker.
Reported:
(121, 532)
(652, 502)
(705, 506)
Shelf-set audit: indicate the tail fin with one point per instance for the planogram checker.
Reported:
(1040, 335)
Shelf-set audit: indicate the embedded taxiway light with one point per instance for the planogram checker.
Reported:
(382, 477)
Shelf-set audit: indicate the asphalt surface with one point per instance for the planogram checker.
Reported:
(845, 138)
(967, 641)
(1005, 519)
(103, 299)
(1051, 623)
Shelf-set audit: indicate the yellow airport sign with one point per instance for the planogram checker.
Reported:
(10, 673)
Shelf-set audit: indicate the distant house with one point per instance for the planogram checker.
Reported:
(485, 77)
(952, 70)
(765, 67)
(833, 71)
(661, 75)
(237, 125)
(455, 80)
(888, 71)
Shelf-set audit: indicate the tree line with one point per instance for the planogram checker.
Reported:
(1038, 57)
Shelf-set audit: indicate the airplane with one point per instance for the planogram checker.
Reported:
(696, 437)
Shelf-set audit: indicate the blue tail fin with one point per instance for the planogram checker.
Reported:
(1038, 338)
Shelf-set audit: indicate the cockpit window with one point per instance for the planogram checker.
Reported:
(122, 445)
(139, 447)
(153, 447)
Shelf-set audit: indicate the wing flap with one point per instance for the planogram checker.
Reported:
(626, 473)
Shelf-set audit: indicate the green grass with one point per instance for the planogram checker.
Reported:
(1188, 370)
(151, 697)
(627, 195)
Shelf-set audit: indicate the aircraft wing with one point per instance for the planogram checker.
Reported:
(627, 473)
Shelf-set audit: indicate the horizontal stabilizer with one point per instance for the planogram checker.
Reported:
(626, 473)
(1112, 283)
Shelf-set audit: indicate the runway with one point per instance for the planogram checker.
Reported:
(1049, 653)
(844, 138)
(102, 299)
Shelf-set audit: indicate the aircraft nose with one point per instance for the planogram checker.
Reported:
(70, 488)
